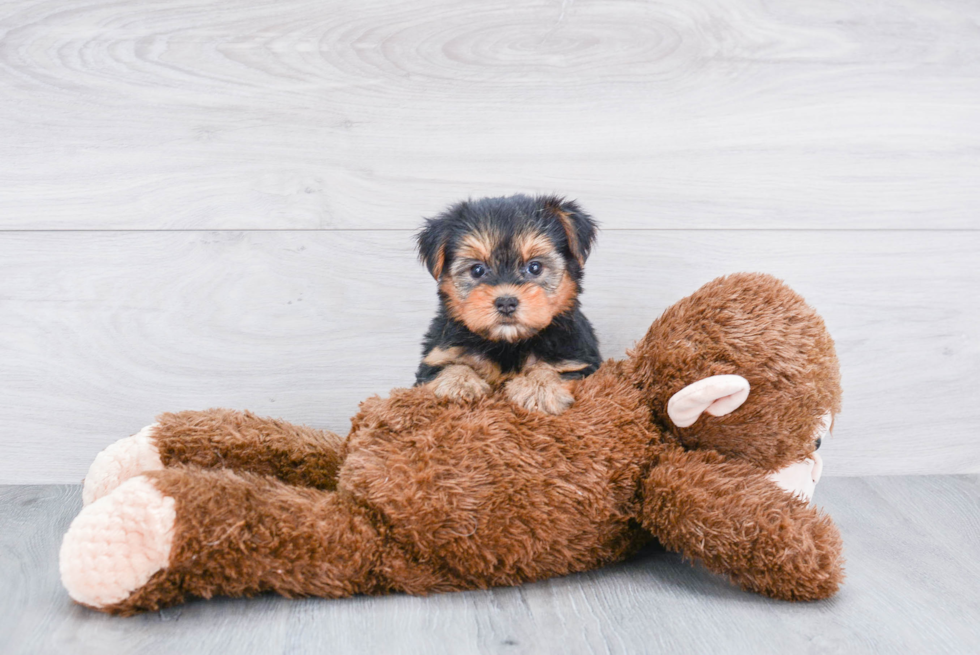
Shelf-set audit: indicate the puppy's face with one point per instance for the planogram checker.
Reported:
(507, 266)
(507, 287)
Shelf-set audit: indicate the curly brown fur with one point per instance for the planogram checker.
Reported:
(753, 325)
(509, 273)
(523, 496)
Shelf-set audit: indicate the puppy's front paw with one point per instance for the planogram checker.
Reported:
(459, 383)
(541, 390)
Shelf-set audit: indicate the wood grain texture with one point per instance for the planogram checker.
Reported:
(834, 145)
(175, 114)
(101, 331)
(912, 545)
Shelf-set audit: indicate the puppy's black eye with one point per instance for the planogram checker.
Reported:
(534, 268)
(478, 270)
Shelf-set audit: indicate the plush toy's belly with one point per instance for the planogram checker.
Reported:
(487, 494)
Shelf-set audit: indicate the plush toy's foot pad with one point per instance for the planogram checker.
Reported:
(119, 462)
(117, 543)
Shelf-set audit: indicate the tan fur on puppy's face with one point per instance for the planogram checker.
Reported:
(540, 297)
(479, 247)
(475, 308)
(537, 307)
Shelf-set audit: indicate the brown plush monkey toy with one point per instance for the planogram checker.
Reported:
(699, 439)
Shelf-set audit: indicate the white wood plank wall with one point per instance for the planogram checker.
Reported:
(211, 203)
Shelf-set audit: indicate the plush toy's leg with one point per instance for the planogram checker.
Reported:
(182, 532)
(219, 438)
(730, 517)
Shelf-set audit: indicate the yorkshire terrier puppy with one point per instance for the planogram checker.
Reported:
(509, 273)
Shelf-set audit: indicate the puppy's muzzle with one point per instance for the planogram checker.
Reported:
(506, 305)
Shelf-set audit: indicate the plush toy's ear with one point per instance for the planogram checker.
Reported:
(718, 395)
(432, 241)
(579, 227)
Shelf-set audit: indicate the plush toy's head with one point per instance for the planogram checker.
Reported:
(752, 325)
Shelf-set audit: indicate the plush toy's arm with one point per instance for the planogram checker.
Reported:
(220, 438)
(731, 518)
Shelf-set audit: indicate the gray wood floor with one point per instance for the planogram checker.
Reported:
(912, 545)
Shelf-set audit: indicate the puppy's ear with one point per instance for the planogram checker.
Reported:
(579, 227)
(433, 239)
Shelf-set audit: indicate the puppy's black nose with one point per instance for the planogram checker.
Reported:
(506, 305)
